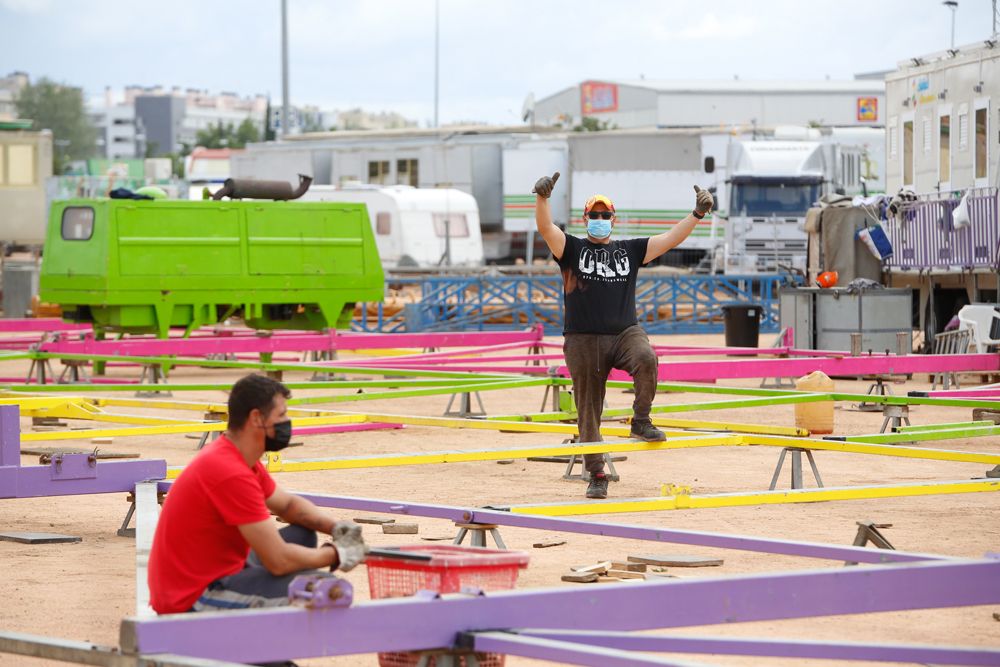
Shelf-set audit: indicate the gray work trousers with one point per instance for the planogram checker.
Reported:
(590, 358)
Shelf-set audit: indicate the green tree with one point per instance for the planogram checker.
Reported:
(226, 136)
(591, 124)
(59, 108)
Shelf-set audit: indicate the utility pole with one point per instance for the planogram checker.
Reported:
(437, 55)
(953, 6)
(285, 115)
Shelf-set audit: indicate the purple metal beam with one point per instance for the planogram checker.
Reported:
(626, 531)
(564, 651)
(67, 474)
(777, 648)
(420, 623)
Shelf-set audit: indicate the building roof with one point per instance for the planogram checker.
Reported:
(753, 86)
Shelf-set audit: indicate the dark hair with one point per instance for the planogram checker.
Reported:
(253, 392)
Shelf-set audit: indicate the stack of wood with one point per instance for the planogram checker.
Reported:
(635, 568)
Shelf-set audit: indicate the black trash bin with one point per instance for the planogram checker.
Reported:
(742, 324)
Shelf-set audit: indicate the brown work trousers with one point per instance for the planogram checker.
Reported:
(590, 358)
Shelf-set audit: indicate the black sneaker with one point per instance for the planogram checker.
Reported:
(646, 431)
(598, 487)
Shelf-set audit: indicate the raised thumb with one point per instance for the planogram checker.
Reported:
(555, 177)
(697, 189)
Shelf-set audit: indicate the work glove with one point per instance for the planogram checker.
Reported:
(544, 185)
(703, 201)
(350, 546)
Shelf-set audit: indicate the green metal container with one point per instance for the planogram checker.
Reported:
(146, 266)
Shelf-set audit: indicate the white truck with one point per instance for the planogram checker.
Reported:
(415, 227)
(773, 182)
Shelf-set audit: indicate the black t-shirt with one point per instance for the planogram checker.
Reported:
(599, 284)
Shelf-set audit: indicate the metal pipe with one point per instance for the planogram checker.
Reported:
(284, 69)
(246, 188)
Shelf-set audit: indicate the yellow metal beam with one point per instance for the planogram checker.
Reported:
(879, 450)
(734, 427)
(171, 429)
(683, 501)
(276, 463)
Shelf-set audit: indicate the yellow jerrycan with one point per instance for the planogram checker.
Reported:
(817, 417)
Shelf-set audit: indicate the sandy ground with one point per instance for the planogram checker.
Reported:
(82, 591)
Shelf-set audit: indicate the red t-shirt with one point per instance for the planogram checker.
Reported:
(197, 537)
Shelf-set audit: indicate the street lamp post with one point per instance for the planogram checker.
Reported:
(953, 6)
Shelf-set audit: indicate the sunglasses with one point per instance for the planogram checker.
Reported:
(600, 215)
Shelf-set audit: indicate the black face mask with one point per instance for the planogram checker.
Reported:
(282, 436)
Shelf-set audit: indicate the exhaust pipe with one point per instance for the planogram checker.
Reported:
(246, 188)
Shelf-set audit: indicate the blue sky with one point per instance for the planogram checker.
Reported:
(379, 54)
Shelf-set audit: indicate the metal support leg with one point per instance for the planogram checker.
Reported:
(879, 388)
(896, 415)
(152, 374)
(477, 534)
(868, 531)
(41, 370)
(76, 372)
(609, 463)
(465, 409)
(796, 468)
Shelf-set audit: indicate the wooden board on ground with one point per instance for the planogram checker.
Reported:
(596, 568)
(548, 543)
(400, 528)
(629, 567)
(374, 520)
(24, 537)
(680, 560)
(626, 574)
(580, 577)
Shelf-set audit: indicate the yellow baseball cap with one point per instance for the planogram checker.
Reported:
(594, 200)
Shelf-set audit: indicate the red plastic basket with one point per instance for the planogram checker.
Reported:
(450, 569)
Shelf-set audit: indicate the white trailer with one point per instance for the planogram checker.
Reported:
(649, 175)
(416, 227)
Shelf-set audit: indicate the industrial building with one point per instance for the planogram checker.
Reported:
(642, 103)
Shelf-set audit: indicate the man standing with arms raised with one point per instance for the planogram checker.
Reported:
(601, 331)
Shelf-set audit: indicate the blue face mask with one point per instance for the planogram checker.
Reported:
(599, 229)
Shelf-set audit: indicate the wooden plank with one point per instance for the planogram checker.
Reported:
(679, 560)
(400, 528)
(629, 567)
(596, 568)
(626, 574)
(28, 537)
(548, 543)
(580, 577)
(374, 520)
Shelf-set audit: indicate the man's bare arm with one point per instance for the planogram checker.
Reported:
(281, 557)
(554, 237)
(296, 509)
(661, 243)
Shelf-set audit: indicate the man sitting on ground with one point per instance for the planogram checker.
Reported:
(216, 545)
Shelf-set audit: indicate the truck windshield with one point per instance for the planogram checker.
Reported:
(760, 200)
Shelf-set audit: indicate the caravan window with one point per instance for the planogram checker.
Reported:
(454, 225)
(378, 172)
(406, 172)
(383, 223)
(77, 223)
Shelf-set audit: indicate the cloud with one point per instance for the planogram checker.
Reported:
(26, 6)
(712, 27)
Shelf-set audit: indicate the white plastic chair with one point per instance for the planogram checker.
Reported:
(978, 318)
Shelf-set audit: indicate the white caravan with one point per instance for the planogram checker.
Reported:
(415, 227)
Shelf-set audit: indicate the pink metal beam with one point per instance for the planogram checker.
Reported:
(281, 342)
(39, 324)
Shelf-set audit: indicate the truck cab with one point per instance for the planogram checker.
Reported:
(771, 186)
